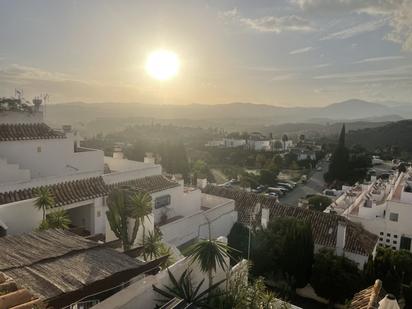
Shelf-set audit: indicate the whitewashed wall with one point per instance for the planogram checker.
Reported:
(140, 294)
(195, 226)
(20, 217)
(21, 117)
(53, 157)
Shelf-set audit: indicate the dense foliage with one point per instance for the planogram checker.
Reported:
(319, 202)
(284, 249)
(335, 277)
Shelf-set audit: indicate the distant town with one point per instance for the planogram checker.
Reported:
(109, 220)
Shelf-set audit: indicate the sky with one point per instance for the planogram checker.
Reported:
(278, 52)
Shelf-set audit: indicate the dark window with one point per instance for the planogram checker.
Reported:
(381, 233)
(389, 234)
(393, 216)
(380, 239)
(395, 242)
(162, 201)
(405, 243)
(395, 236)
(394, 248)
(388, 240)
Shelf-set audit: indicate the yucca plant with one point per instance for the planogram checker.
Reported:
(183, 289)
(210, 254)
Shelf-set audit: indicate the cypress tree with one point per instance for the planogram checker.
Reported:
(339, 164)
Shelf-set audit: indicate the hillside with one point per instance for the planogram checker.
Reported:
(396, 133)
(343, 111)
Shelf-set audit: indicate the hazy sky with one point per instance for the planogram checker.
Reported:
(280, 52)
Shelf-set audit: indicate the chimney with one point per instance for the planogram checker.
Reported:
(265, 217)
(118, 152)
(201, 183)
(37, 102)
(340, 237)
(389, 302)
(149, 158)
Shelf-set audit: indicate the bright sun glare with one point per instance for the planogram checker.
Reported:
(162, 64)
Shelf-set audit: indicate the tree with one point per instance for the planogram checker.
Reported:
(277, 145)
(267, 177)
(183, 289)
(284, 140)
(238, 240)
(141, 209)
(44, 200)
(339, 163)
(210, 254)
(335, 277)
(319, 202)
(124, 205)
(284, 248)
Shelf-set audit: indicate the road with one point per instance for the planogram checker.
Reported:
(315, 184)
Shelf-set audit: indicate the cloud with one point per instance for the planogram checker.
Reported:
(378, 59)
(355, 30)
(301, 50)
(275, 24)
(397, 14)
(391, 74)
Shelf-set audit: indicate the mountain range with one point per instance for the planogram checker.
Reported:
(240, 114)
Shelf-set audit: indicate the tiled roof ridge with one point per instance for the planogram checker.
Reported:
(149, 184)
(324, 225)
(64, 193)
(28, 131)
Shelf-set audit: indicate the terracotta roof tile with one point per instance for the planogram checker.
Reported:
(149, 184)
(368, 298)
(64, 193)
(28, 131)
(324, 225)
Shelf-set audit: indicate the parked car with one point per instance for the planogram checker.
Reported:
(278, 190)
(286, 185)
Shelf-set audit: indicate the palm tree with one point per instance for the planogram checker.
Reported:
(210, 254)
(141, 209)
(183, 289)
(44, 200)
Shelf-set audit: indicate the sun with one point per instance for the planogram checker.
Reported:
(162, 64)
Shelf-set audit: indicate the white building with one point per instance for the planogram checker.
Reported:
(33, 155)
(385, 209)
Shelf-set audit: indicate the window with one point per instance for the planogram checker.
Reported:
(381, 233)
(395, 242)
(388, 235)
(395, 236)
(393, 216)
(405, 243)
(380, 239)
(162, 201)
(394, 248)
(388, 240)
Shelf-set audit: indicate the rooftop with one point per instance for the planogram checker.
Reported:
(28, 131)
(64, 193)
(60, 267)
(324, 225)
(368, 298)
(150, 184)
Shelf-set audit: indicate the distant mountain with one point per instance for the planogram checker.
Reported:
(396, 133)
(239, 114)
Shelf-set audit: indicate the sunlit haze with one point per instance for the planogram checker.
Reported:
(286, 53)
(162, 64)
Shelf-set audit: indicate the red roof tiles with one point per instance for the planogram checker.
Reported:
(149, 184)
(28, 131)
(64, 193)
(324, 225)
